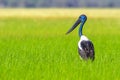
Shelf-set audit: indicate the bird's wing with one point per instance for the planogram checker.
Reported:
(88, 48)
(82, 53)
(87, 45)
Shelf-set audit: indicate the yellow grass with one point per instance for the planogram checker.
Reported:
(60, 12)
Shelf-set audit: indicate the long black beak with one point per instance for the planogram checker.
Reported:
(74, 26)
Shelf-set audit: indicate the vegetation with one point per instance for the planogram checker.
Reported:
(59, 12)
(38, 49)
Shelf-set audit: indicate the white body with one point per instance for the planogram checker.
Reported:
(81, 39)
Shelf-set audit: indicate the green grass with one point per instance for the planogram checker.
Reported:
(38, 49)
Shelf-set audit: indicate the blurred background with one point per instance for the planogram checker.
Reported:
(59, 3)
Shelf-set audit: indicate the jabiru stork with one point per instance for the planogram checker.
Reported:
(85, 46)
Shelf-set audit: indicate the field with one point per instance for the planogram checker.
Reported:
(36, 47)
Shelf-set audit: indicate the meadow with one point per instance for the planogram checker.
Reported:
(36, 48)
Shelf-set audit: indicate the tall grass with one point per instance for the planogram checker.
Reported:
(38, 49)
(60, 12)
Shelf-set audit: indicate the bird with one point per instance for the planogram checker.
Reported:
(85, 46)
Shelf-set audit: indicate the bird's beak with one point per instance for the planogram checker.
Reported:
(74, 26)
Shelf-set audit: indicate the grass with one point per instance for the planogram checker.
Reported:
(38, 49)
(60, 12)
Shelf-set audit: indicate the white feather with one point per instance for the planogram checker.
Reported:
(81, 39)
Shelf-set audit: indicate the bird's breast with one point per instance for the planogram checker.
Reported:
(82, 38)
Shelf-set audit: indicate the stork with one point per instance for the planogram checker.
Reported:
(85, 46)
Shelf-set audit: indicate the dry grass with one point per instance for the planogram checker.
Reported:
(60, 12)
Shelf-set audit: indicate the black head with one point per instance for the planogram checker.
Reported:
(82, 18)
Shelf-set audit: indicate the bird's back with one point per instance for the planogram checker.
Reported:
(87, 49)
